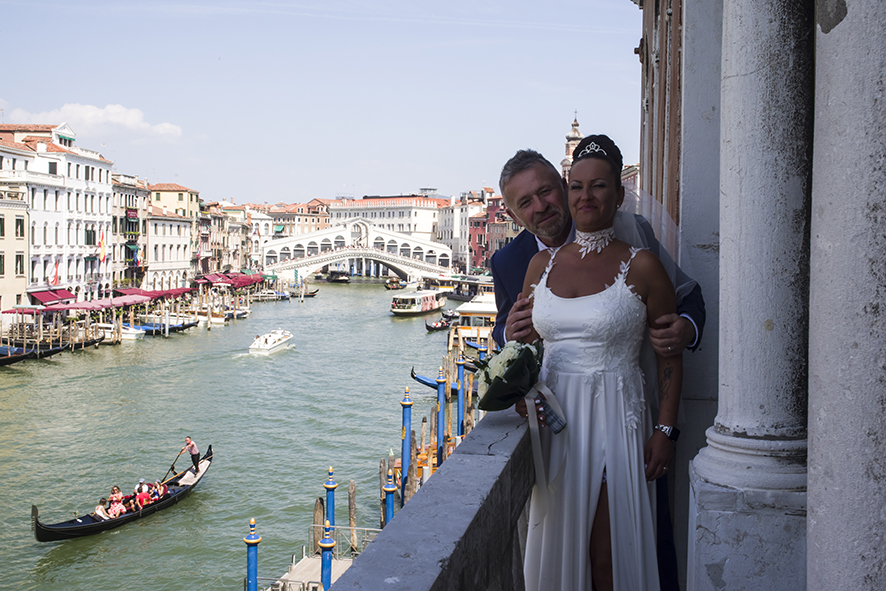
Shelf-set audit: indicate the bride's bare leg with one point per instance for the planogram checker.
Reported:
(601, 545)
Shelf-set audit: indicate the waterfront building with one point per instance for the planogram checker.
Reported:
(13, 241)
(68, 192)
(128, 241)
(454, 227)
(413, 215)
(201, 248)
(239, 232)
(168, 263)
(261, 225)
(478, 246)
(176, 198)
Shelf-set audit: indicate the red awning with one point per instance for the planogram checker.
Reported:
(44, 297)
(64, 294)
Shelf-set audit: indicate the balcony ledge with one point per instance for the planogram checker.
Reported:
(460, 530)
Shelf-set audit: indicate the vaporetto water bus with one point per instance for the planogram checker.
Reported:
(418, 302)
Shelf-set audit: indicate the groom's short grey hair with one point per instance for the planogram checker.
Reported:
(521, 161)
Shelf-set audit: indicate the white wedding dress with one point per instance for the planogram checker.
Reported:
(591, 363)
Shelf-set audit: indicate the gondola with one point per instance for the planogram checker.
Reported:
(450, 313)
(180, 485)
(311, 294)
(441, 324)
(10, 355)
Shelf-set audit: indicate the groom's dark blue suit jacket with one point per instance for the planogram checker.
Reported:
(510, 263)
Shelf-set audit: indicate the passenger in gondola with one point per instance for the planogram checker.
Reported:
(140, 487)
(142, 499)
(116, 495)
(100, 510)
(117, 508)
(160, 490)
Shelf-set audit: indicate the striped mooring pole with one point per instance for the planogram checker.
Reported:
(327, 544)
(390, 488)
(330, 486)
(441, 425)
(460, 362)
(252, 541)
(405, 444)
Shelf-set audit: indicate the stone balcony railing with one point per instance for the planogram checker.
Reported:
(29, 176)
(460, 531)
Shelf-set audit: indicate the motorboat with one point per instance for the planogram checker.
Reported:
(271, 342)
(126, 333)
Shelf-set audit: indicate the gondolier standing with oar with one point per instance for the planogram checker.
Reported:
(191, 448)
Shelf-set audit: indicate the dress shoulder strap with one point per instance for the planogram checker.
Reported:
(543, 279)
(626, 265)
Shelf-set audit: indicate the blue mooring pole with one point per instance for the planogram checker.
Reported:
(482, 350)
(441, 402)
(405, 444)
(460, 362)
(390, 488)
(252, 541)
(330, 486)
(327, 544)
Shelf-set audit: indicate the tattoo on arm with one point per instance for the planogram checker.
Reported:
(664, 385)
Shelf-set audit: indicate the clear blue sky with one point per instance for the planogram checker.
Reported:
(287, 101)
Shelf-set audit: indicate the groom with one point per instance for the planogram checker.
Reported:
(534, 195)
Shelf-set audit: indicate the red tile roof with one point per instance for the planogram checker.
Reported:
(158, 211)
(16, 145)
(27, 127)
(168, 187)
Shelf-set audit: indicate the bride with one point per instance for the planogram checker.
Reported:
(592, 304)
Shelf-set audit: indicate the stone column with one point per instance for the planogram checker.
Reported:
(847, 325)
(747, 504)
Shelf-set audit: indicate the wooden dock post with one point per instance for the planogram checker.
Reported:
(382, 472)
(352, 515)
(317, 530)
(412, 482)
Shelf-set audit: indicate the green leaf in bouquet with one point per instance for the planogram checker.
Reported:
(518, 378)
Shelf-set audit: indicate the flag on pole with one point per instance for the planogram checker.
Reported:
(55, 276)
(101, 244)
(135, 257)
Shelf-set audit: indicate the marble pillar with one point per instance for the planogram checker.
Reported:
(846, 523)
(747, 498)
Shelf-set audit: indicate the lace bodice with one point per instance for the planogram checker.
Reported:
(598, 332)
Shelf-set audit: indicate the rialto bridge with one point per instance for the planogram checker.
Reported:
(356, 246)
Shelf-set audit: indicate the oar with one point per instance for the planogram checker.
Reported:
(172, 467)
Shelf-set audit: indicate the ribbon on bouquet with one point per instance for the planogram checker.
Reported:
(541, 479)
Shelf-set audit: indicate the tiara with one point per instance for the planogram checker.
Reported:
(591, 148)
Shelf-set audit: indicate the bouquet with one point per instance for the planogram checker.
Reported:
(507, 376)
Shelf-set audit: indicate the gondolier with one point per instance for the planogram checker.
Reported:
(191, 448)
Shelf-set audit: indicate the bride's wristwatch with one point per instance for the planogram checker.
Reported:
(672, 433)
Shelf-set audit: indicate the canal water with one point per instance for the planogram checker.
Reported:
(74, 425)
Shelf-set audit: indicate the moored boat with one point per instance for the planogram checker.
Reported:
(271, 342)
(180, 485)
(126, 333)
(417, 302)
(10, 355)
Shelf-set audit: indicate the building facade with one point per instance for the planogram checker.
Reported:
(69, 194)
(168, 263)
